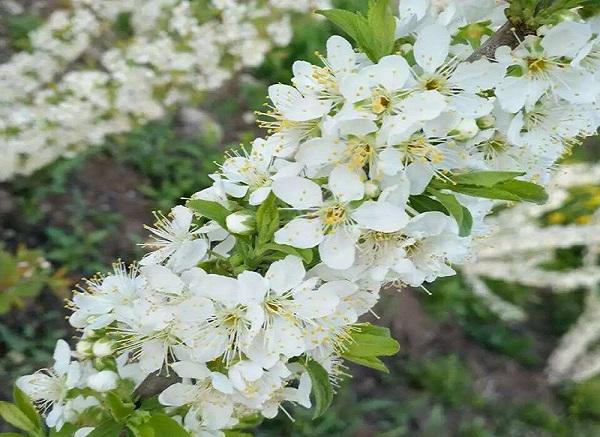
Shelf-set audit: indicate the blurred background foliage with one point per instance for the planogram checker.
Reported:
(462, 371)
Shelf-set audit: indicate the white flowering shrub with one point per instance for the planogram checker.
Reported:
(379, 168)
(100, 68)
(522, 248)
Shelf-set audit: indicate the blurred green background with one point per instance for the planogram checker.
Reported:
(461, 371)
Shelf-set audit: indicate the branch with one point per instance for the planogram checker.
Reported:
(155, 384)
(507, 35)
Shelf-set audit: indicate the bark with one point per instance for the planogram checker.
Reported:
(507, 35)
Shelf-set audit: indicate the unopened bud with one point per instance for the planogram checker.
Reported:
(372, 190)
(465, 130)
(241, 223)
(102, 348)
(84, 348)
(103, 381)
(486, 122)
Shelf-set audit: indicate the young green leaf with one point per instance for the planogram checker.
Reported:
(119, 409)
(374, 34)
(368, 343)
(526, 191)
(485, 178)
(383, 27)
(267, 219)
(211, 210)
(321, 387)
(306, 254)
(26, 406)
(163, 425)
(108, 428)
(349, 22)
(371, 362)
(17, 418)
(461, 214)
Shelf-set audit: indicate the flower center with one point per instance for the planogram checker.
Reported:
(360, 154)
(420, 149)
(380, 103)
(537, 65)
(334, 215)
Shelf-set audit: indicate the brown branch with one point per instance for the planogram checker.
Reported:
(507, 35)
(155, 384)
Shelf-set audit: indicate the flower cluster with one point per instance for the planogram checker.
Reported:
(72, 89)
(523, 243)
(379, 167)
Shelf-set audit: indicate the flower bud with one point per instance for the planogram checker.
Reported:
(103, 381)
(486, 122)
(241, 223)
(84, 348)
(372, 189)
(102, 348)
(465, 130)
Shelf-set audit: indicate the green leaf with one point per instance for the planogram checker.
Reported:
(305, 254)
(212, 210)
(66, 431)
(485, 178)
(24, 404)
(349, 22)
(461, 214)
(374, 34)
(424, 203)
(371, 341)
(17, 418)
(371, 362)
(237, 434)
(163, 425)
(11, 434)
(267, 219)
(526, 191)
(119, 409)
(383, 27)
(321, 387)
(368, 343)
(108, 428)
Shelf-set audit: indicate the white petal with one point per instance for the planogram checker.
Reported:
(189, 369)
(337, 250)
(478, 76)
(431, 47)
(300, 193)
(313, 304)
(301, 233)
(258, 196)
(177, 395)
(254, 287)
(427, 224)
(423, 106)
(340, 55)
(221, 383)
(346, 184)
(391, 72)
(162, 279)
(381, 216)
(188, 255)
(566, 38)
(296, 107)
(62, 357)
(419, 176)
(182, 219)
(285, 274)
(153, 356)
(320, 151)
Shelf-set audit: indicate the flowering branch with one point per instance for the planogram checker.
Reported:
(379, 167)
